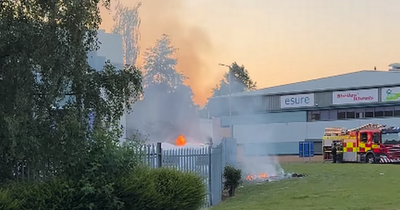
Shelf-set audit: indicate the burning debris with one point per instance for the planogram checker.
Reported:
(180, 141)
(263, 177)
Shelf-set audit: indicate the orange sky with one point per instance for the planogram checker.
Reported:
(278, 41)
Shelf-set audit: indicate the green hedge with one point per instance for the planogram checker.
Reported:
(7, 202)
(144, 189)
(179, 190)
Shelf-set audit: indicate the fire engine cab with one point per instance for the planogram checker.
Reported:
(370, 143)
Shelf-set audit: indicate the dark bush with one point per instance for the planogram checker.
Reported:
(232, 177)
(36, 195)
(142, 189)
(63, 194)
(7, 202)
(179, 190)
(138, 190)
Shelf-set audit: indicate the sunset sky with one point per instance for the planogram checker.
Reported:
(278, 41)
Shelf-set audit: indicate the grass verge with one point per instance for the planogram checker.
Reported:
(327, 186)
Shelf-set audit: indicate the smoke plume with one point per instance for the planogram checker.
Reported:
(167, 17)
(255, 142)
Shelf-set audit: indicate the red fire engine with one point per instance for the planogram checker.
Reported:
(370, 143)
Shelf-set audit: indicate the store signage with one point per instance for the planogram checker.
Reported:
(294, 101)
(355, 96)
(391, 94)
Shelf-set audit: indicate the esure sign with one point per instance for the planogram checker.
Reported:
(355, 96)
(295, 101)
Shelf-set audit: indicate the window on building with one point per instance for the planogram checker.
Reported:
(360, 113)
(389, 111)
(379, 112)
(309, 116)
(324, 115)
(369, 112)
(314, 115)
(341, 114)
(397, 111)
(333, 114)
(350, 114)
(364, 137)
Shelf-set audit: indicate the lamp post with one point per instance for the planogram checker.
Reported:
(229, 98)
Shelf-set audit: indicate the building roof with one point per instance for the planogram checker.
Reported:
(359, 79)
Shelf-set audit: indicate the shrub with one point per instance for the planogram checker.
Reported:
(179, 190)
(138, 190)
(7, 202)
(232, 177)
(142, 189)
(64, 194)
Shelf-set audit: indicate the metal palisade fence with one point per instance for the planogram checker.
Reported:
(206, 161)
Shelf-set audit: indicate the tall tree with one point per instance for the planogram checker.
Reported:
(126, 23)
(47, 87)
(167, 108)
(160, 66)
(239, 80)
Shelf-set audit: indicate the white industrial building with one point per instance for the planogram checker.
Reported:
(274, 120)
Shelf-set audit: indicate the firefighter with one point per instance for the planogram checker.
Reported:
(334, 153)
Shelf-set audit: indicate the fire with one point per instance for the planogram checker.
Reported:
(249, 178)
(180, 141)
(253, 177)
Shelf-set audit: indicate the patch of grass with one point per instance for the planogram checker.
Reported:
(326, 186)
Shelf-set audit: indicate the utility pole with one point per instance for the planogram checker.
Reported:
(229, 98)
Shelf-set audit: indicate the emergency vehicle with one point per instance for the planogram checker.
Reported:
(370, 143)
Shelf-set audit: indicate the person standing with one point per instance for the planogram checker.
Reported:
(334, 153)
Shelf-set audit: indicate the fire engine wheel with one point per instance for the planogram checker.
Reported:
(370, 158)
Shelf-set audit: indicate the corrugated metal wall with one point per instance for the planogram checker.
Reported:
(281, 117)
(323, 99)
(273, 103)
(260, 104)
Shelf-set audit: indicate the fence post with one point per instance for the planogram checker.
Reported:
(210, 173)
(159, 155)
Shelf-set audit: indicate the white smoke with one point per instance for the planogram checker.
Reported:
(256, 153)
(167, 109)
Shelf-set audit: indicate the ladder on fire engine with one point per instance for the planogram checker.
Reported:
(334, 131)
(366, 126)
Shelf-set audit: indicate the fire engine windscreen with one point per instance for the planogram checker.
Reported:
(391, 138)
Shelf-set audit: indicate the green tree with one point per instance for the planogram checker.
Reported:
(160, 66)
(167, 108)
(47, 87)
(126, 23)
(239, 81)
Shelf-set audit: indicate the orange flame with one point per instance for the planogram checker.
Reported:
(263, 176)
(248, 178)
(253, 177)
(180, 141)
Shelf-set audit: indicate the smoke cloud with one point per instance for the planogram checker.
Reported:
(195, 47)
(256, 155)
